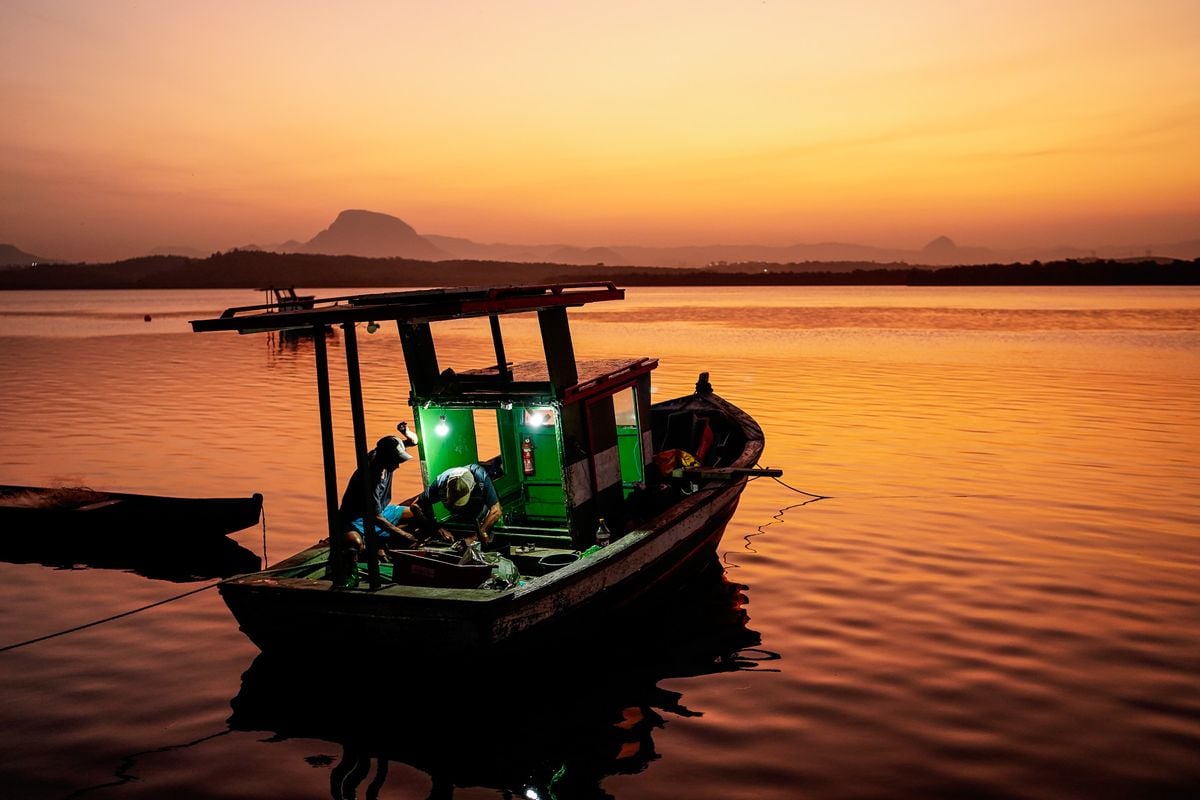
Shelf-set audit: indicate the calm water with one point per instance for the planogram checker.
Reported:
(1000, 598)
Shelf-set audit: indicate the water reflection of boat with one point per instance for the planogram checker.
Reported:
(164, 537)
(203, 560)
(554, 719)
(579, 442)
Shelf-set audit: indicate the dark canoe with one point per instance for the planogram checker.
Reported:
(291, 607)
(67, 511)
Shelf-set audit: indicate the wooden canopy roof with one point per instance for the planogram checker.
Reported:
(420, 305)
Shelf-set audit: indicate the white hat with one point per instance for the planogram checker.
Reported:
(393, 443)
(458, 488)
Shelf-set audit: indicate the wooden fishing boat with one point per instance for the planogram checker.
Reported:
(63, 510)
(284, 298)
(579, 443)
(168, 538)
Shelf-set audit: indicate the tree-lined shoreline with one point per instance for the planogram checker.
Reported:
(255, 269)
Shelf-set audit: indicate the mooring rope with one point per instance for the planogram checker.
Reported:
(798, 491)
(264, 530)
(107, 619)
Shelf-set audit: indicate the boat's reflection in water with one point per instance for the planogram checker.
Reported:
(199, 560)
(552, 719)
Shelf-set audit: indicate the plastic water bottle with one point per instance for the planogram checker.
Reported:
(603, 536)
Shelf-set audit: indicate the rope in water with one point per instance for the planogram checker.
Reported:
(107, 619)
(801, 491)
(137, 610)
(798, 491)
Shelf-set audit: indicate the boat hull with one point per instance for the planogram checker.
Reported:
(63, 510)
(291, 607)
(299, 614)
(169, 538)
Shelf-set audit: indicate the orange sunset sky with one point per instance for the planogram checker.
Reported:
(130, 125)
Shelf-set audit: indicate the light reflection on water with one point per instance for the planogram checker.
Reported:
(998, 599)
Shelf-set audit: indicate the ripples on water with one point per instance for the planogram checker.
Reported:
(998, 599)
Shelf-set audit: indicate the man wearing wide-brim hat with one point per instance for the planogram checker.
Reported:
(469, 495)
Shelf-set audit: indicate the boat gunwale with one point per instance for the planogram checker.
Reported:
(536, 586)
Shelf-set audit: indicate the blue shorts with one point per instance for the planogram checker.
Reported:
(391, 513)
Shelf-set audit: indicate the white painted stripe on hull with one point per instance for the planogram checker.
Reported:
(608, 468)
(579, 482)
(579, 475)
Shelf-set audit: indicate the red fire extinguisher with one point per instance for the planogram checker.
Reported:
(527, 454)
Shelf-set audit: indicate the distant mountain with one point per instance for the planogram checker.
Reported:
(376, 235)
(721, 257)
(531, 253)
(941, 251)
(371, 235)
(11, 257)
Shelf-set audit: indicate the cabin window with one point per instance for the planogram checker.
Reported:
(494, 440)
(629, 440)
(487, 433)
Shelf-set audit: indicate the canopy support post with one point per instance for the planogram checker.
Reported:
(367, 500)
(556, 343)
(498, 342)
(327, 455)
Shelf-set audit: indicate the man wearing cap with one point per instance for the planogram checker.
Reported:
(469, 496)
(389, 453)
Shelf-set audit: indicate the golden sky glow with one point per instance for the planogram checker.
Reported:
(129, 125)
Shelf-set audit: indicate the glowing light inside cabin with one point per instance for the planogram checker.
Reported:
(539, 417)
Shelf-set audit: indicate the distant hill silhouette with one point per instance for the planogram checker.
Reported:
(372, 235)
(253, 269)
(458, 247)
(941, 251)
(11, 256)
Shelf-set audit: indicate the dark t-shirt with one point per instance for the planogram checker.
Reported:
(381, 495)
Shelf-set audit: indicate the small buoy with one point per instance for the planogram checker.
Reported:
(146, 318)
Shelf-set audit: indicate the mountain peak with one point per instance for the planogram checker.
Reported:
(358, 217)
(940, 245)
(357, 232)
(12, 256)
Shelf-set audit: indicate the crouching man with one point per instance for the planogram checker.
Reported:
(469, 495)
(346, 548)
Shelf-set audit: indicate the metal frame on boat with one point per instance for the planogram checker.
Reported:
(579, 441)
